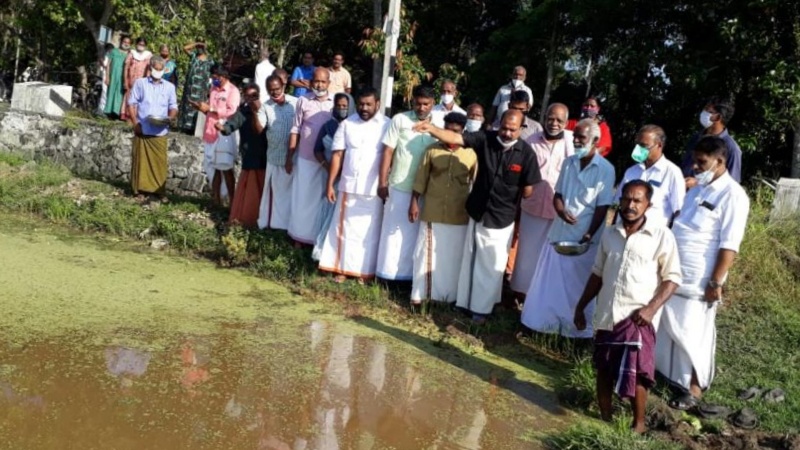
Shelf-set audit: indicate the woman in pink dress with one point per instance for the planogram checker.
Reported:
(137, 65)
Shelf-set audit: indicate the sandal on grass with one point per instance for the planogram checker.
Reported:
(750, 393)
(746, 419)
(774, 396)
(683, 402)
(708, 411)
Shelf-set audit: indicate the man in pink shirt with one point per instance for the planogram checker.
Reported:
(312, 112)
(552, 147)
(220, 151)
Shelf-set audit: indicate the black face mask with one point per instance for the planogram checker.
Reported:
(557, 136)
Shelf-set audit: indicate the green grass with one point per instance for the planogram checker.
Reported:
(600, 436)
(758, 325)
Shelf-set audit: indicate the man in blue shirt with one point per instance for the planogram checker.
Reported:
(302, 75)
(714, 119)
(151, 105)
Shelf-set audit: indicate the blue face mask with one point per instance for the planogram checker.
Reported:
(581, 152)
(216, 82)
(640, 153)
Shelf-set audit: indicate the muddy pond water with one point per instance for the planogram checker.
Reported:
(102, 347)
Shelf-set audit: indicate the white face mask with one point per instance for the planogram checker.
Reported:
(140, 48)
(156, 74)
(473, 125)
(705, 119)
(516, 83)
(320, 93)
(447, 99)
(705, 178)
(506, 145)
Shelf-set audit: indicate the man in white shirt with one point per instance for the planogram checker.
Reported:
(351, 246)
(448, 99)
(635, 273)
(340, 77)
(709, 231)
(583, 193)
(654, 168)
(263, 70)
(500, 102)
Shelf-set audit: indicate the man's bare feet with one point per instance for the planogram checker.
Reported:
(339, 279)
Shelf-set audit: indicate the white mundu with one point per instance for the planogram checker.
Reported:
(351, 245)
(669, 188)
(559, 280)
(713, 218)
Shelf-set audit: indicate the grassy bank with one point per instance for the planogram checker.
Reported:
(758, 325)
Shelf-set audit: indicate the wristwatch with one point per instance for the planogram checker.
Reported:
(714, 285)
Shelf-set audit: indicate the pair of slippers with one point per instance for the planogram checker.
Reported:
(776, 395)
(745, 418)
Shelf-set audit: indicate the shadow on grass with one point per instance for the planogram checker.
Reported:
(497, 375)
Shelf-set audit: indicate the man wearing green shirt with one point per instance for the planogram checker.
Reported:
(403, 151)
(443, 180)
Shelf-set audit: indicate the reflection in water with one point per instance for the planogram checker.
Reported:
(328, 391)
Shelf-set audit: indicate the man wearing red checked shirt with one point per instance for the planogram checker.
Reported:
(507, 172)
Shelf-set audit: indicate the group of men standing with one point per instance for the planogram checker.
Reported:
(436, 195)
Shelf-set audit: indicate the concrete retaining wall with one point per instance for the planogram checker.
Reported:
(98, 149)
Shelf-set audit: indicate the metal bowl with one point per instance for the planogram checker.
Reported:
(570, 248)
(158, 120)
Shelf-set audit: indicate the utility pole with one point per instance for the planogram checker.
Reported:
(377, 21)
(391, 30)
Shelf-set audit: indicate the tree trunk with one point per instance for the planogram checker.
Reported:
(281, 55)
(588, 78)
(377, 64)
(796, 151)
(93, 25)
(551, 62)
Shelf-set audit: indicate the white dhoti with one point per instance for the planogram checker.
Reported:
(398, 238)
(555, 291)
(276, 201)
(437, 262)
(351, 246)
(686, 340)
(532, 239)
(209, 156)
(308, 193)
(480, 282)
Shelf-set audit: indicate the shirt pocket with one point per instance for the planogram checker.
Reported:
(643, 273)
(703, 219)
(511, 178)
(589, 196)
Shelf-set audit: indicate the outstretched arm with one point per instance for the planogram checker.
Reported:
(446, 136)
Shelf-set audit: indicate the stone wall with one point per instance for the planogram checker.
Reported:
(98, 149)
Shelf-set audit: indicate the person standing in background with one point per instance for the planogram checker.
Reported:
(170, 66)
(196, 86)
(340, 77)
(591, 110)
(302, 75)
(115, 79)
(104, 69)
(137, 65)
(263, 70)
